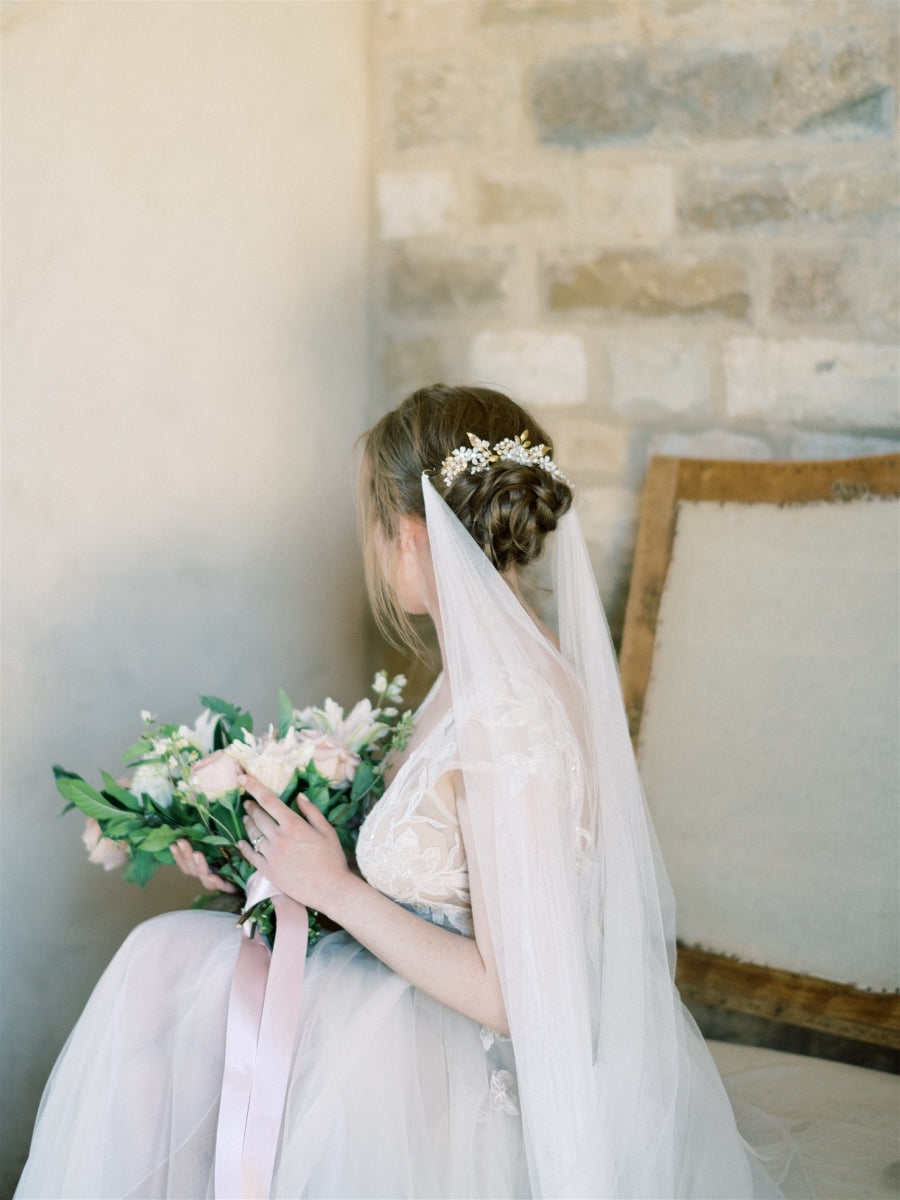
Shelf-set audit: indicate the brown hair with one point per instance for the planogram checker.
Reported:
(508, 509)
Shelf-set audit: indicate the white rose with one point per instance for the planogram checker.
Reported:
(153, 779)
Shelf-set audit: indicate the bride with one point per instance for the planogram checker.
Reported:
(497, 1017)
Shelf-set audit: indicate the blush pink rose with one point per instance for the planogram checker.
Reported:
(273, 760)
(215, 775)
(103, 850)
(331, 758)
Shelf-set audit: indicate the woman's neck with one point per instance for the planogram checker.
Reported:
(513, 582)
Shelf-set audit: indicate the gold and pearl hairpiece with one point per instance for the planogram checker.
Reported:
(480, 454)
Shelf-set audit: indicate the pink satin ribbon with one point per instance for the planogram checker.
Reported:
(263, 1015)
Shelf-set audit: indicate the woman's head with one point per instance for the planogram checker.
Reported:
(508, 508)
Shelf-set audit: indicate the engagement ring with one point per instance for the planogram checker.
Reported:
(256, 841)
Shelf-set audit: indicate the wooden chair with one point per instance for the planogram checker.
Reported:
(761, 675)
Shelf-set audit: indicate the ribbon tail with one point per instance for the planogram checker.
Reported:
(245, 1008)
(261, 1030)
(275, 1047)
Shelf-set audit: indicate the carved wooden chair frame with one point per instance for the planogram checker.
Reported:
(702, 977)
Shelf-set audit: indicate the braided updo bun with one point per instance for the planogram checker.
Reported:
(508, 508)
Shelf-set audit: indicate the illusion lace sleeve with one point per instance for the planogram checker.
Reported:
(411, 846)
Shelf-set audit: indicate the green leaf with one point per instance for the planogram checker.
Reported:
(122, 828)
(291, 790)
(115, 791)
(313, 778)
(229, 711)
(313, 784)
(228, 803)
(362, 781)
(195, 833)
(285, 713)
(61, 773)
(340, 813)
(159, 839)
(320, 797)
(235, 718)
(225, 817)
(316, 788)
(153, 808)
(142, 868)
(141, 748)
(86, 798)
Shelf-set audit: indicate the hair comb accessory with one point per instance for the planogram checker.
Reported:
(480, 454)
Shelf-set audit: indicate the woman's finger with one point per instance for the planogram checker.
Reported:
(201, 866)
(307, 809)
(252, 857)
(265, 824)
(179, 853)
(192, 863)
(264, 797)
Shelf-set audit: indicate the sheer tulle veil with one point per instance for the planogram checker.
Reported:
(618, 1095)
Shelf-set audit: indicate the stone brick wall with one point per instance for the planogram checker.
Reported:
(667, 226)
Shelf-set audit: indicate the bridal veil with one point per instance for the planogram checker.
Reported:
(618, 1094)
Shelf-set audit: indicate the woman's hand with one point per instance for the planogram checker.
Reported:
(299, 852)
(192, 862)
(302, 855)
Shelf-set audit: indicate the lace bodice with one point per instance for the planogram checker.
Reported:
(410, 846)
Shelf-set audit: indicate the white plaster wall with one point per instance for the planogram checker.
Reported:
(184, 281)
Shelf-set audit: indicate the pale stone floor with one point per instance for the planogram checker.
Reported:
(845, 1119)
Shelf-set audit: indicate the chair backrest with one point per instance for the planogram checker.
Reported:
(761, 671)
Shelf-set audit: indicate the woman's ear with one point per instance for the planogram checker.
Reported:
(413, 580)
(412, 534)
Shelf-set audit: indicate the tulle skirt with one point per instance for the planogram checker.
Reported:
(392, 1093)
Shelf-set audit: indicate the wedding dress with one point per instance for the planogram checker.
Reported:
(393, 1094)
(604, 1087)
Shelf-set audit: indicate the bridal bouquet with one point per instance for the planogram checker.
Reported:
(185, 783)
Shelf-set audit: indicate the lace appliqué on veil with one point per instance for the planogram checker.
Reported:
(547, 752)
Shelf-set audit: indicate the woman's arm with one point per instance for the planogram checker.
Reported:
(302, 855)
